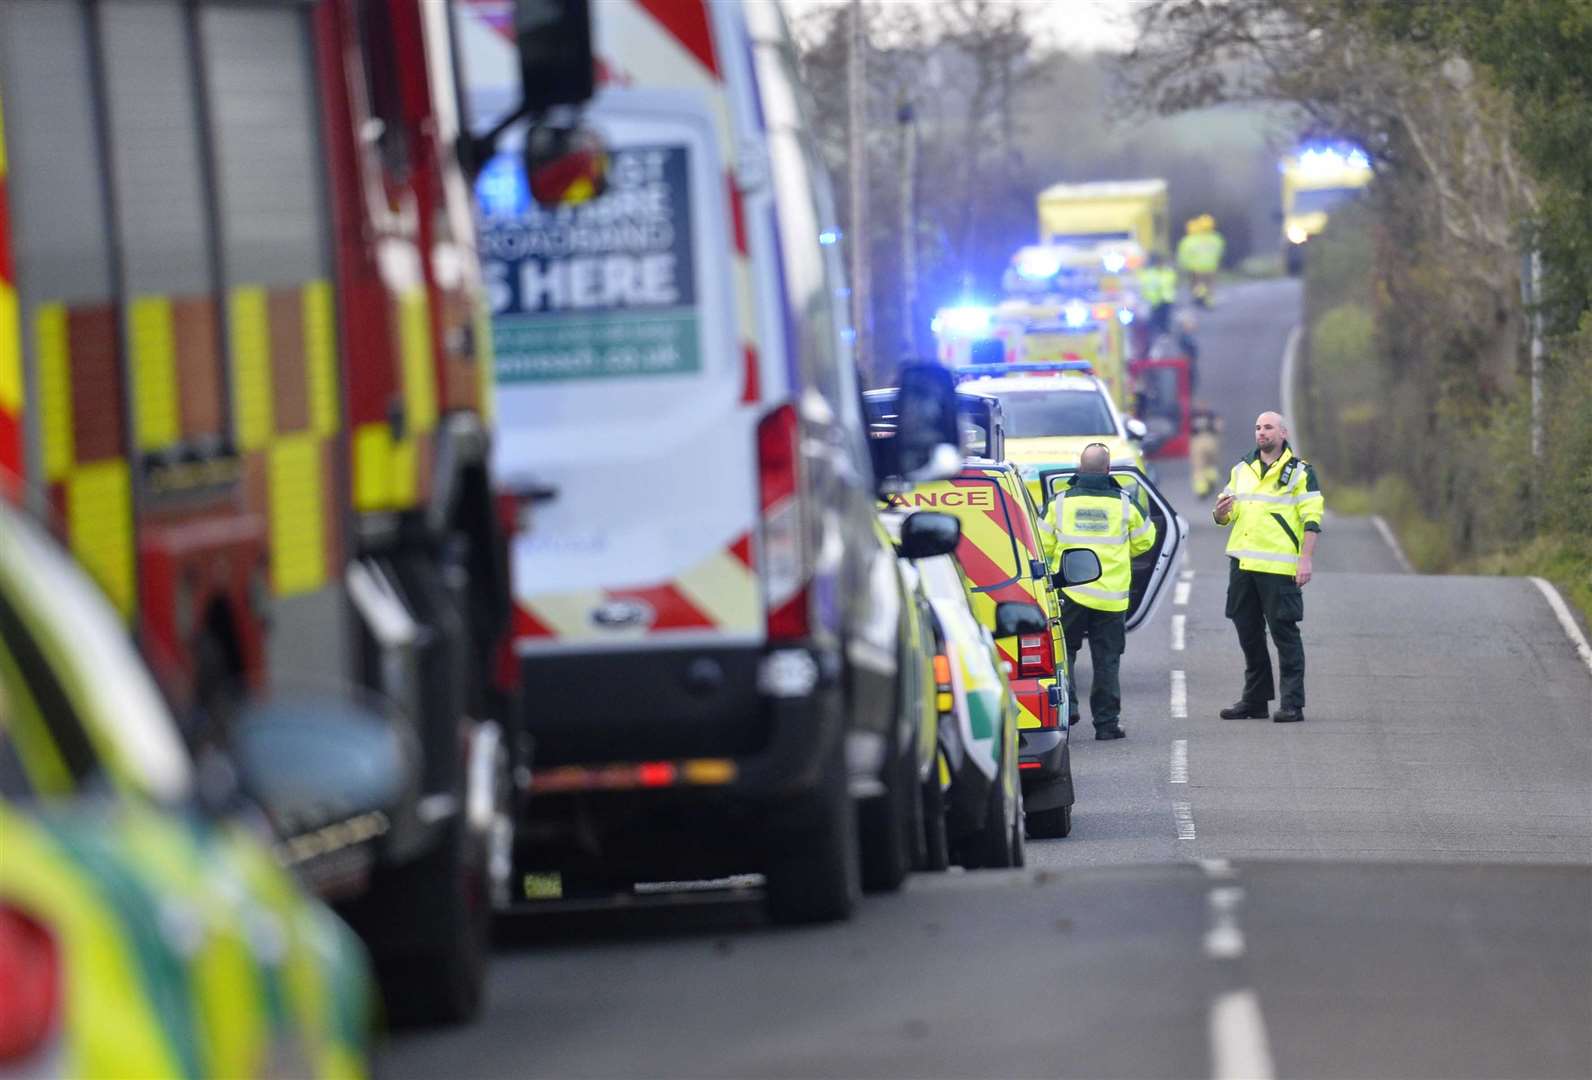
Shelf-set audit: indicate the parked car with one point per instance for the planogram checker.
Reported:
(146, 926)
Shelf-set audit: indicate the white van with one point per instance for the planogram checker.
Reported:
(707, 619)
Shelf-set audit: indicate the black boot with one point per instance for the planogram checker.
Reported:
(1246, 710)
(1286, 715)
(1109, 731)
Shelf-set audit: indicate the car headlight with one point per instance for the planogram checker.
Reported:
(1297, 234)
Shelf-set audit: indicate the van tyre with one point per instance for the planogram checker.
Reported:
(1050, 824)
(996, 846)
(936, 839)
(812, 874)
(432, 920)
(891, 826)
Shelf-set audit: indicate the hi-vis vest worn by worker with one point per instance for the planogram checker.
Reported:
(1273, 508)
(1158, 284)
(1095, 513)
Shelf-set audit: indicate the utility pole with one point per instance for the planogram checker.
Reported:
(1536, 355)
(857, 99)
(906, 118)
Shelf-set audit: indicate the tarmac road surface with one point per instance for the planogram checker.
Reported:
(1401, 886)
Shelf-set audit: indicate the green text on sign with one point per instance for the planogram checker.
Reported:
(536, 348)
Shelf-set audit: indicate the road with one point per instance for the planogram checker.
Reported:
(1400, 886)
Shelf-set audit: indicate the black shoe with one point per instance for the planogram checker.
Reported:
(1245, 710)
(1286, 715)
(1109, 732)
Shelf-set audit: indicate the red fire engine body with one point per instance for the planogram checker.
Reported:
(241, 374)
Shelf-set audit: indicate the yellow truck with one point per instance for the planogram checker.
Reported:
(1316, 178)
(1102, 212)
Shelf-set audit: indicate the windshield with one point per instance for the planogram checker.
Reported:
(1322, 199)
(1033, 414)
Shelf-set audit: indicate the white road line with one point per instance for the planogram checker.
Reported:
(1393, 542)
(1239, 1047)
(1179, 695)
(1186, 575)
(1177, 632)
(1180, 593)
(1179, 773)
(1224, 940)
(1566, 620)
(1183, 814)
(1285, 397)
(1216, 868)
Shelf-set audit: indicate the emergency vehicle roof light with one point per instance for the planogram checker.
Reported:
(1076, 313)
(1113, 262)
(1052, 367)
(1038, 263)
(969, 319)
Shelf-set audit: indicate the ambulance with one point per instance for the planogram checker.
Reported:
(710, 626)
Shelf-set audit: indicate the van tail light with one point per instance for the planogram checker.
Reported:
(783, 568)
(1035, 658)
(944, 698)
(30, 984)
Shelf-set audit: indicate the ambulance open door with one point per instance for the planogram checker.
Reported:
(1154, 570)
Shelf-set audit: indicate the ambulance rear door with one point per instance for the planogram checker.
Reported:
(1153, 570)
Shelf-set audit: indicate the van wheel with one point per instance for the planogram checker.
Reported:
(936, 840)
(1050, 824)
(890, 828)
(432, 922)
(812, 875)
(992, 847)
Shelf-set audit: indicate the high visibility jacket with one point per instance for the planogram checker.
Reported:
(1201, 252)
(1158, 284)
(1273, 507)
(1103, 518)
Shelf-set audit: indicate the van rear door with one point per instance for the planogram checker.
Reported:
(620, 389)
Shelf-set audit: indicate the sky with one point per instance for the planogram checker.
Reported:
(1074, 25)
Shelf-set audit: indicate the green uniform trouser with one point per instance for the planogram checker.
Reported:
(1257, 602)
(1107, 638)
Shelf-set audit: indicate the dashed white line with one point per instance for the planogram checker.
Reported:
(1216, 868)
(1556, 602)
(1177, 632)
(1183, 814)
(1179, 771)
(1180, 593)
(1186, 574)
(1239, 1047)
(1224, 940)
(1179, 695)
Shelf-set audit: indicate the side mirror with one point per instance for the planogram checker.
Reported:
(1013, 617)
(928, 439)
(928, 533)
(556, 63)
(1136, 429)
(1079, 566)
(565, 166)
(318, 761)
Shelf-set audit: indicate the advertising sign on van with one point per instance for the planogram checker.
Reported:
(603, 289)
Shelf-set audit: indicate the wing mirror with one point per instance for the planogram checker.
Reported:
(318, 761)
(928, 533)
(1013, 617)
(1079, 566)
(1136, 429)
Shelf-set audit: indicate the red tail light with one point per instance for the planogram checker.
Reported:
(30, 984)
(781, 560)
(1035, 658)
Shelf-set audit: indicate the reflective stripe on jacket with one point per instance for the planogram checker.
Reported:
(1273, 508)
(1107, 522)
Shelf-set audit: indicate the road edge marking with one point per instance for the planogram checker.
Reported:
(1566, 620)
(1393, 542)
(1239, 1047)
(1285, 396)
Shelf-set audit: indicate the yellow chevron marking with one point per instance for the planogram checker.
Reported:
(420, 381)
(298, 536)
(373, 466)
(725, 591)
(10, 350)
(154, 358)
(55, 390)
(569, 614)
(99, 508)
(320, 356)
(252, 407)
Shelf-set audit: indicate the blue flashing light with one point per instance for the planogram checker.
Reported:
(1114, 262)
(1125, 316)
(500, 190)
(1076, 314)
(829, 237)
(1054, 367)
(966, 320)
(1038, 263)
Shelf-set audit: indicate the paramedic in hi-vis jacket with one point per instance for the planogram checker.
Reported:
(1095, 512)
(1273, 505)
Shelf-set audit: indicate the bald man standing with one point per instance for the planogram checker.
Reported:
(1273, 504)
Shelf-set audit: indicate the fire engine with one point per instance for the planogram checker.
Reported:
(242, 373)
